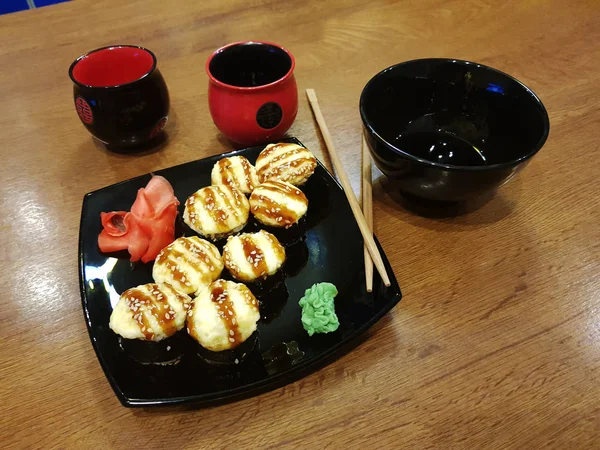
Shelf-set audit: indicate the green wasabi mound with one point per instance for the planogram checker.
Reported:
(318, 310)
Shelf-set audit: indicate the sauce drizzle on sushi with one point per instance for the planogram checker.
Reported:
(267, 151)
(176, 255)
(141, 304)
(247, 171)
(274, 211)
(136, 302)
(226, 311)
(217, 214)
(255, 257)
(224, 165)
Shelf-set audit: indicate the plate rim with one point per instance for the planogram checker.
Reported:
(293, 373)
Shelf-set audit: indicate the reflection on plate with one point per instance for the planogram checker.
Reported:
(331, 251)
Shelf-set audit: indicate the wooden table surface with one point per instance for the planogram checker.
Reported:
(496, 343)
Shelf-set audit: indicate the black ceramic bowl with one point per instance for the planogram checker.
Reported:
(450, 130)
(120, 95)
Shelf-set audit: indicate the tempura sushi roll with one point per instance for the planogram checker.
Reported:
(235, 171)
(223, 318)
(255, 258)
(285, 162)
(188, 264)
(281, 207)
(148, 318)
(216, 212)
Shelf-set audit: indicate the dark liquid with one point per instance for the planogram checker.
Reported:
(248, 65)
(446, 138)
(440, 147)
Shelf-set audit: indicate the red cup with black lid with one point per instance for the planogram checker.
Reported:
(120, 95)
(252, 92)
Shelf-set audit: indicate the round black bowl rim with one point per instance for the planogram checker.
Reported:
(503, 165)
(116, 86)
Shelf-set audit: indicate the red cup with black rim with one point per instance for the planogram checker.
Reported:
(252, 92)
(120, 95)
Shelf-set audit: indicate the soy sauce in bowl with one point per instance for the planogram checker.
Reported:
(440, 147)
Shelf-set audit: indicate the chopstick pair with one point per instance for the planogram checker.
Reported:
(367, 207)
(364, 224)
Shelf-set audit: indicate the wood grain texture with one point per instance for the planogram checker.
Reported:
(496, 343)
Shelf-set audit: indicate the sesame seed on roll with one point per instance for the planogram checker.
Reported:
(278, 204)
(149, 312)
(188, 264)
(253, 256)
(224, 315)
(285, 162)
(216, 211)
(235, 171)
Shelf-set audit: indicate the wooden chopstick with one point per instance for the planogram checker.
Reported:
(339, 168)
(367, 207)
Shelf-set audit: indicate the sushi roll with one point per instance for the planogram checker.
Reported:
(148, 318)
(235, 171)
(285, 162)
(281, 207)
(252, 257)
(216, 212)
(255, 259)
(224, 319)
(188, 264)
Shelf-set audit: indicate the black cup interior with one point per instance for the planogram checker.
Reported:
(454, 113)
(250, 64)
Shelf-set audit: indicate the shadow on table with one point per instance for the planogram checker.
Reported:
(485, 210)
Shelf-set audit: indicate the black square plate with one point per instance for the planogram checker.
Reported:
(332, 251)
